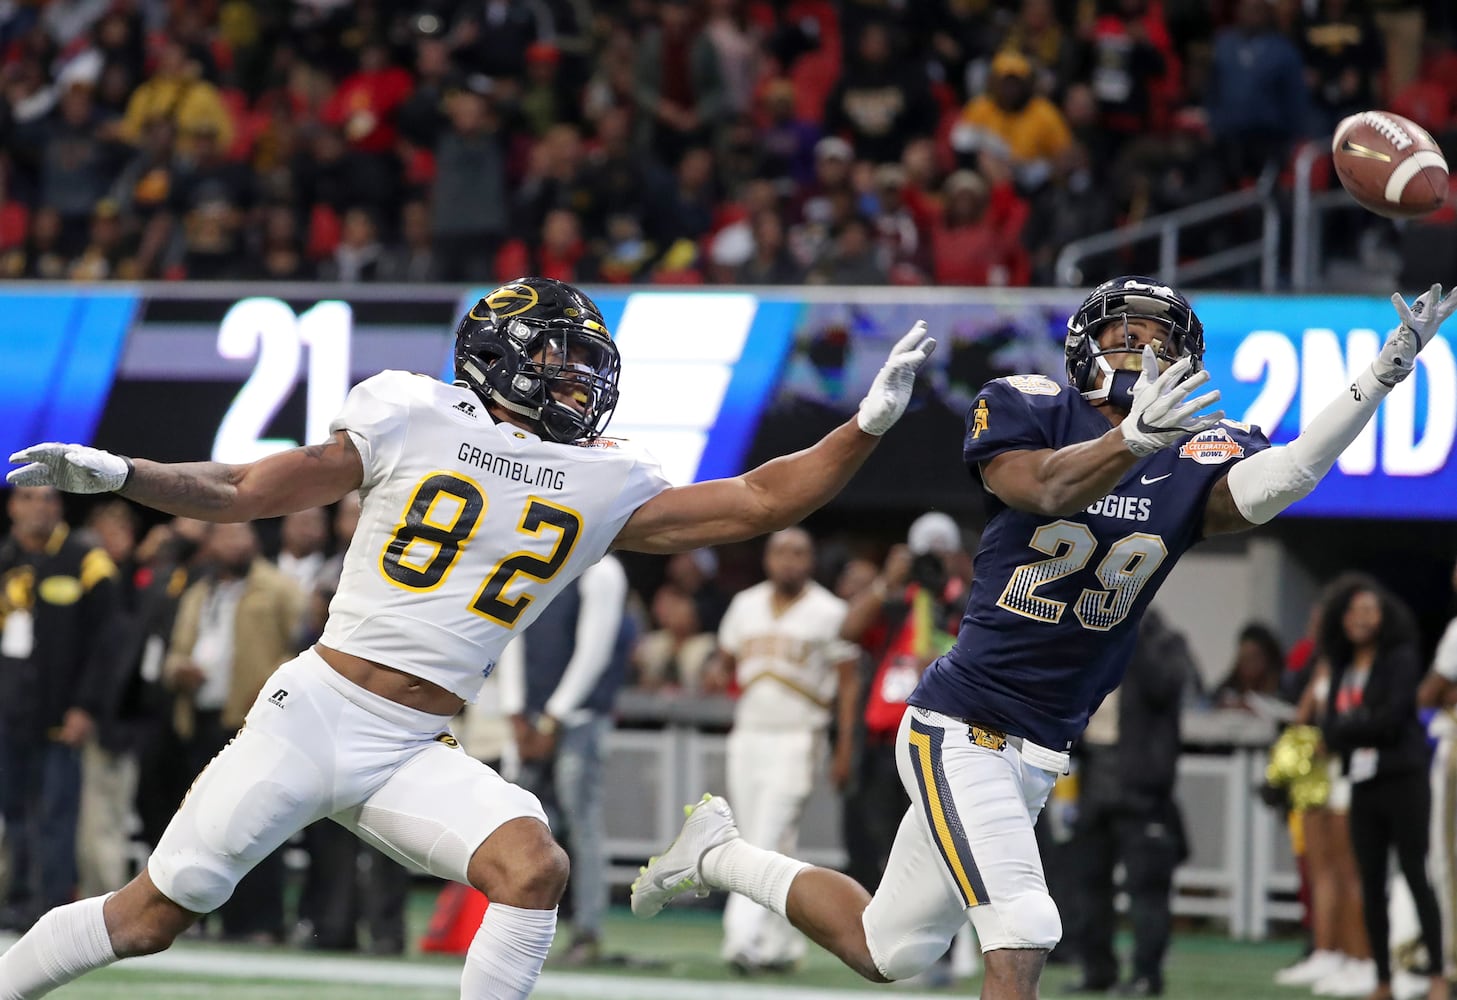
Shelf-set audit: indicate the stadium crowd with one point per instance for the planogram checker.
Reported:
(861, 142)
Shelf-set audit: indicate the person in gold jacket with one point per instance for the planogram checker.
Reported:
(234, 628)
(176, 93)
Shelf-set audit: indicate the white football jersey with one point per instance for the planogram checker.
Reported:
(785, 663)
(468, 527)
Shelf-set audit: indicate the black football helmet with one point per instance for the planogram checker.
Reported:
(1119, 300)
(531, 339)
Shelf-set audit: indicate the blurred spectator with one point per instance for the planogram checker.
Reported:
(968, 246)
(233, 629)
(105, 255)
(679, 86)
(1439, 691)
(1128, 761)
(280, 255)
(348, 883)
(559, 679)
(413, 259)
(365, 104)
(177, 92)
(125, 716)
(1046, 43)
(851, 258)
(67, 20)
(302, 537)
(780, 641)
(359, 255)
(1372, 645)
(1343, 59)
(42, 255)
(902, 621)
(696, 574)
(209, 195)
(1257, 97)
(786, 141)
(676, 652)
(688, 207)
(963, 37)
(563, 254)
(897, 232)
(491, 36)
(770, 262)
(555, 178)
(1067, 209)
(144, 186)
(1320, 837)
(168, 558)
(469, 215)
(58, 595)
(1255, 677)
(1013, 121)
(76, 167)
(618, 178)
(727, 28)
(421, 115)
(880, 103)
(1131, 54)
(544, 102)
(1402, 24)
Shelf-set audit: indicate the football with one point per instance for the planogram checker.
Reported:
(1389, 164)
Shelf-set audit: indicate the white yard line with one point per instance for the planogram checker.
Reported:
(225, 964)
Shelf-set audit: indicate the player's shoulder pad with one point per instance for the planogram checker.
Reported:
(401, 386)
(1035, 390)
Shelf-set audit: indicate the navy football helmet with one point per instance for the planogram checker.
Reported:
(1117, 301)
(532, 340)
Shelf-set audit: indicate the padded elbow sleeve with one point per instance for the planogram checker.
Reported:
(1265, 484)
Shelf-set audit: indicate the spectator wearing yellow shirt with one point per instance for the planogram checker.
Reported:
(177, 93)
(1012, 121)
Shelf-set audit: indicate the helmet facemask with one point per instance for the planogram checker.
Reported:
(562, 377)
(1128, 299)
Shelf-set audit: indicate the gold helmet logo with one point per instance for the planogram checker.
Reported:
(508, 301)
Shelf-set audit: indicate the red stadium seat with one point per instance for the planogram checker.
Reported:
(14, 224)
(324, 231)
(512, 259)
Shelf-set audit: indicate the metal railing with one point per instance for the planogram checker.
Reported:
(1166, 228)
(1307, 214)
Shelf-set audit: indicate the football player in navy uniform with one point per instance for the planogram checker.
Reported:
(1093, 491)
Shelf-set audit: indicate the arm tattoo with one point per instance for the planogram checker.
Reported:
(191, 489)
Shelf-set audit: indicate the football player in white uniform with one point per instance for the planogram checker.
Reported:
(481, 499)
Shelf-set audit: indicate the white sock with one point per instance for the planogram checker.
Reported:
(65, 944)
(763, 876)
(506, 955)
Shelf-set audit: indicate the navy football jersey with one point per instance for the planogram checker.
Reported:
(1054, 609)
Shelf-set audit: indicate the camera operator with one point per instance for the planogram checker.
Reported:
(905, 619)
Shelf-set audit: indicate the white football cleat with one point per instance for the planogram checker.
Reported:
(709, 824)
(1315, 966)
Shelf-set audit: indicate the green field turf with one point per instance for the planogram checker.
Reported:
(672, 958)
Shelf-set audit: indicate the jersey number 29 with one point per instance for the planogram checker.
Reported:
(422, 550)
(1070, 546)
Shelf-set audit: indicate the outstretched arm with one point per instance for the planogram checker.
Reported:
(1061, 481)
(1263, 485)
(782, 491)
(209, 491)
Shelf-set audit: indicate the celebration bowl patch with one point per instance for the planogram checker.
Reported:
(1212, 447)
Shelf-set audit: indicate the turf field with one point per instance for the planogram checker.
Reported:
(672, 958)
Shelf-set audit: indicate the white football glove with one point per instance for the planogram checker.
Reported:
(1419, 324)
(72, 468)
(891, 391)
(1162, 414)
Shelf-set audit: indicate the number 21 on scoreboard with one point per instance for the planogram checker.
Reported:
(268, 330)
